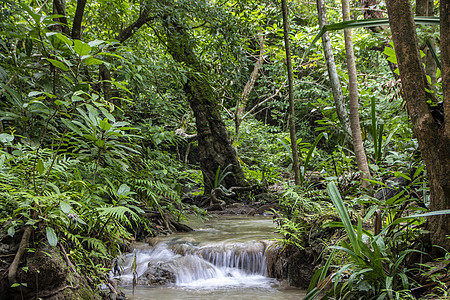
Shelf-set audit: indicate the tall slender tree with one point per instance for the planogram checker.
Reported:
(292, 132)
(358, 145)
(338, 96)
(242, 102)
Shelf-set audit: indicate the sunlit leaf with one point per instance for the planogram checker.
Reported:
(81, 48)
(51, 236)
(11, 231)
(58, 64)
(6, 138)
(40, 166)
(65, 207)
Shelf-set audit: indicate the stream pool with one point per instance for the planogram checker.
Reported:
(222, 259)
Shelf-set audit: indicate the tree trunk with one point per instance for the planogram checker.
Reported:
(59, 8)
(292, 133)
(339, 102)
(213, 138)
(77, 19)
(358, 145)
(432, 134)
(242, 102)
(372, 11)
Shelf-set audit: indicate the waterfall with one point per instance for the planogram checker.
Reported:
(187, 265)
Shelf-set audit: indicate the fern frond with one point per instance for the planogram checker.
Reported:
(118, 213)
(95, 244)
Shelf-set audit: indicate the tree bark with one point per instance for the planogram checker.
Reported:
(214, 142)
(339, 101)
(59, 8)
(433, 135)
(292, 133)
(371, 11)
(125, 34)
(78, 18)
(143, 18)
(358, 145)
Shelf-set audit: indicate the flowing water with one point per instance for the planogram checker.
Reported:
(222, 259)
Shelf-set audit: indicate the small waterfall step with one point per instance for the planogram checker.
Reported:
(184, 264)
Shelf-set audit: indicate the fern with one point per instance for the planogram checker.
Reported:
(95, 244)
(118, 213)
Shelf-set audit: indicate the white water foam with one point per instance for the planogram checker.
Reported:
(219, 266)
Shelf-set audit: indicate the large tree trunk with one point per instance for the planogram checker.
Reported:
(293, 135)
(432, 134)
(339, 102)
(358, 145)
(213, 138)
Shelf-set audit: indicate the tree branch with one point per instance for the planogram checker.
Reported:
(130, 30)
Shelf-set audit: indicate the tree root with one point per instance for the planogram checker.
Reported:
(12, 270)
(218, 204)
(46, 294)
(69, 263)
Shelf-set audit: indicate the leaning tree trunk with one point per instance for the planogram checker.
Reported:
(214, 142)
(242, 102)
(338, 96)
(433, 134)
(358, 145)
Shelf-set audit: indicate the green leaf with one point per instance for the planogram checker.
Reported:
(11, 231)
(104, 125)
(123, 189)
(51, 236)
(30, 11)
(63, 38)
(343, 214)
(107, 114)
(95, 43)
(389, 51)
(65, 207)
(72, 126)
(6, 138)
(92, 61)
(40, 166)
(58, 64)
(93, 114)
(100, 143)
(81, 48)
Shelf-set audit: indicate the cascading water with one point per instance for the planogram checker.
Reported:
(209, 263)
(184, 264)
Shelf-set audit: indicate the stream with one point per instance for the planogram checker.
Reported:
(222, 259)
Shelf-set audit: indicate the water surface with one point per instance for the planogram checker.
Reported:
(222, 259)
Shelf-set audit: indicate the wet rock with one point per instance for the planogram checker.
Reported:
(294, 265)
(156, 275)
